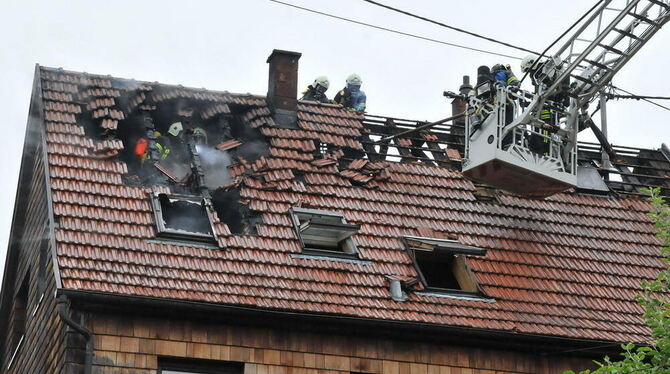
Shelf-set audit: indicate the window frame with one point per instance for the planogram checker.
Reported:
(196, 366)
(169, 233)
(449, 247)
(350, 250)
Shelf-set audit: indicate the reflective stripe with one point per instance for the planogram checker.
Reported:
(512, 79)
(545, 114)
(164, 151)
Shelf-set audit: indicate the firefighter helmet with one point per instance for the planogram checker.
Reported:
(321, 81)
(354, 80)
(175, 129)
(497, 68)
(527, 63)
(200, 135)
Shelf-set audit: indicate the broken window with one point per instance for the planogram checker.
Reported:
(324, 233)
(183, 217)
(442, 264)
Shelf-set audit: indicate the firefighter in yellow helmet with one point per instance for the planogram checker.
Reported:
(317, 90)
(351, 97)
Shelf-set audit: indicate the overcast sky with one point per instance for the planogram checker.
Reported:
(223, 45)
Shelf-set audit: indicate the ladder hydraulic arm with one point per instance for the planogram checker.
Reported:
(604, 43)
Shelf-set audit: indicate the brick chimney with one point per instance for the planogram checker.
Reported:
(283, 87)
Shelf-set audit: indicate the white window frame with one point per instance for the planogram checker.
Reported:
(326, 220)
(447, 247)
(167, 232)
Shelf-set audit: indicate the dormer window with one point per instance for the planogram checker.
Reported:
(184, 217)
(442, 264)
(324, 233)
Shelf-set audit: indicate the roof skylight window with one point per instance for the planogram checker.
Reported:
(183, 217)
(442, 264)
(324, 233)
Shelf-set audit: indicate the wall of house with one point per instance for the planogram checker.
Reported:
(125, 345)
(42, 349)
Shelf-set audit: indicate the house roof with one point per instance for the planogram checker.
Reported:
(565, 266)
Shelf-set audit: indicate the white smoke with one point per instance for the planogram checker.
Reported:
(215, 166)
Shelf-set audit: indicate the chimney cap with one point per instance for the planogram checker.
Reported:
(283, 52)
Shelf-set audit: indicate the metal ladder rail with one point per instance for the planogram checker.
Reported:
(568, 54)
(574, 63)
(581, 63)
(606, 69)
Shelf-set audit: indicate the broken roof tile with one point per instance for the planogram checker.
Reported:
(106, 112)
(215, 110)
(109, 124)
(358, 164)
(99, 92)
(228, 144)
(324, 162)
(453, 154)
(104, 102)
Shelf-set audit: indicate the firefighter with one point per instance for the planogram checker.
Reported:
(199, 136)
(317, 90)
(351, 97)
(548, 113)
(162, 145)
(142, 147)
(504, 75)
(176, 143)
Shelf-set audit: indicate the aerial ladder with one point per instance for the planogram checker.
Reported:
(500, 147)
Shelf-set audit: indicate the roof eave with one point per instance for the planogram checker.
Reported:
(406, 330)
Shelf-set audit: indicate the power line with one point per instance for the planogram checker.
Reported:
(394, 31)
(450, 27)
(638, 97)
(641, 98)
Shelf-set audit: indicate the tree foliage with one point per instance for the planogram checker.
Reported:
(655, 298)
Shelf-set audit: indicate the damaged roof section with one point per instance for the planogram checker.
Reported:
(565, 266)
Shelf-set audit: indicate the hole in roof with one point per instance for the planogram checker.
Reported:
(230, 211)
(615, 177)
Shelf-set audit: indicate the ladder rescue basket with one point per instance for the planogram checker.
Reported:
(525, 155)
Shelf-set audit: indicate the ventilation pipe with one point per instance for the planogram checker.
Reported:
(282, 95)
(457, 107)
(484, 75)
(395, 287)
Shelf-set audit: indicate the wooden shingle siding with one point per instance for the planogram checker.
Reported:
(126, 344)
(43, 346)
